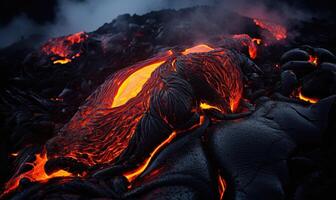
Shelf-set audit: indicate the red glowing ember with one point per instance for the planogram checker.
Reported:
(279, 32)
(62, 50)
(313, 59)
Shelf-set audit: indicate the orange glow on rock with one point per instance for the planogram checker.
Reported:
(14, 154)
(135, 173)
(197, 49)
(133, 84)
(61, 49)
(36, 174)
(313, 59)
(279, 32)
(256, 40)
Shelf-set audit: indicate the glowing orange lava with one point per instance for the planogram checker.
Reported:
(206, 106)
(135, 173)
(110, 116)
(307, 99)
(256, 40)
(61, 49)
(197, 49)
(133, 84)
(221, 186)
(14, 154)
(279, 32)
(37, 173)
(62, 61)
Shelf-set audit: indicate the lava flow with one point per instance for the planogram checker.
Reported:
(37, 173)
(116, 113)
(298, 94)
(62, 50)
(197, 49)
(131, 175)
(133, 84)
(206, 106)
(221, 186)
(103, 127)
(279, 32)
(307, 99)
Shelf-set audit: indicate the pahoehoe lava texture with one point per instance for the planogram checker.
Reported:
(203, 110)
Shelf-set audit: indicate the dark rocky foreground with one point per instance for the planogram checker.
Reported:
(282, 148)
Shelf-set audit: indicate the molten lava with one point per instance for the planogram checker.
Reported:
(62, 61)
(62, 50)
(133, 84)
(279, 32)
(221, 186)
(103, 127)
(135, 173)
(308, 99)
(113, 112)
(206, 106)
(37, 173)
(197, 49)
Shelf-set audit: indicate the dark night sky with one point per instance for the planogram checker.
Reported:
(58, 17)
(40, 11)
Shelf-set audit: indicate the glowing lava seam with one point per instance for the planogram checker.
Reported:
(221, 186)
(206, 106)
(307, 99)
(135, 173)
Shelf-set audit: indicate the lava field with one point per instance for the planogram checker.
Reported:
(168, 106)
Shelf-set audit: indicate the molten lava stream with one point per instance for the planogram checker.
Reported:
(221, 186)
(307, 99)
(62, 61)
(206, 106)
(36, 174)
(135, 173)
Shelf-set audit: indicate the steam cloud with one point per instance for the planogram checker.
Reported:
(87, 15)
(74, 16)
